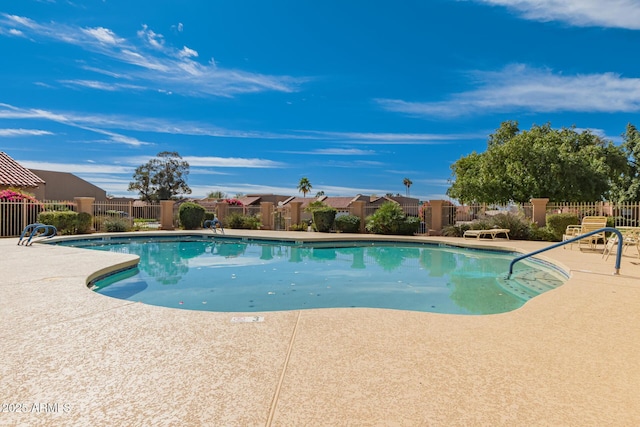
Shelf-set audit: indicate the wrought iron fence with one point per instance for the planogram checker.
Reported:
(136, 214)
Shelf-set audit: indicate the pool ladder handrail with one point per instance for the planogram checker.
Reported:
(33, 229)
(575, 239)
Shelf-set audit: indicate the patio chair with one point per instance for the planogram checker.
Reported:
(589, 224)
(491, 232)
(630, 237)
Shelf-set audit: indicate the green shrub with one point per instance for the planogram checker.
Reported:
(239, 221)
(191, 215)
(455, 230)
(298, 227)
(519, 227)
(209, 216)
(114, 224)
(409, 226)
(83, 223)
(348, 223)
(64, 221)
(391, 219)
(556, 224)
(323, 218)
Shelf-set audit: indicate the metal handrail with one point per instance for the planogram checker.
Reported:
(575, 239)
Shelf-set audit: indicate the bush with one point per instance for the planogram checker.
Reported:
(191, 215)
(347, 223)
(456, 230)
(391, 219)
(323, 218)
(519, 227)
(240, 221)
(298, 227)
(114, 224)
(556, 224)
(410, 226)
(83, 223)
(64, 221)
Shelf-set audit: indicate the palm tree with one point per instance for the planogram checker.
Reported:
(407, 183)
(319, 194)
(304, 186)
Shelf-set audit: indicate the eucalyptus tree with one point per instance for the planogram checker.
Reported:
(161, 178)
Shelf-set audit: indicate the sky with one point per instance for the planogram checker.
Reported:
(354, 95)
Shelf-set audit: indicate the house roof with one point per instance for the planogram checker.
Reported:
(13, 174)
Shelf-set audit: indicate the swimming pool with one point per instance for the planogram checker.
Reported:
(247, 275)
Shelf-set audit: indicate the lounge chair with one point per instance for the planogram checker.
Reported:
(589, 224)
(491, 232)
(630, 237)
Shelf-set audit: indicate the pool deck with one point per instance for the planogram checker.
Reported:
(71, 357)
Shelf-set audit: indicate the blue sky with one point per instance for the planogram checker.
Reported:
(353, 95)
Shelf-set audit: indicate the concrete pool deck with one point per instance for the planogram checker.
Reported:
(73, 357)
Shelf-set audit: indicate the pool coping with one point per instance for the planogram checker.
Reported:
(568, 356)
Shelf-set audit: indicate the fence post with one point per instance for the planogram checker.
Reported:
(436, 216)
(357, 209)
(540, 211)
(296, 217)
(266, 215)
(166, 214)
(222, 211)
(85, 204)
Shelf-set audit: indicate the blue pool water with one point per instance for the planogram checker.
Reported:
(236, 275)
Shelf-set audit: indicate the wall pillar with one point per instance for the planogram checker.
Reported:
(436, 216)
(166, 214)
(357, 209)
(222, 211)
(85, 205)
(266, 215)
(540, 211)
(296, 214)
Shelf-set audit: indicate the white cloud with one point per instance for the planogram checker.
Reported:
(383, 138)
(520, 88)
(187, 53)
(158, 66)
(582, 13)
(77, 167)
(231, 162)
(103, 35)
(23, 132)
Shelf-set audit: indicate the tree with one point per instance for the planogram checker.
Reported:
(563, 165)
(407, 183)
(627, 187)
(319, 194)
(216, 195)
(304, 186)
(161, 178)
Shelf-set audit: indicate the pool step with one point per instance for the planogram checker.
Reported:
(528, 283)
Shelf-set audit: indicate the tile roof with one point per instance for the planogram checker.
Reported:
(13, 174)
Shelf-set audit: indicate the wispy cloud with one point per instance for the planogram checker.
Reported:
(218, 162)
(335, 152)
(231, 162)
(581, 13)
(157, 65)
(78, 121)
(521, 88)
(86, 168)
(23, 132)
(104, 124)
(372, 138)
